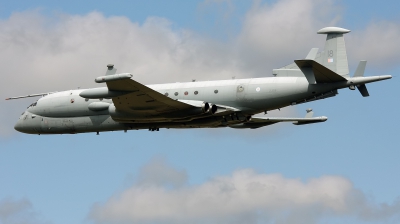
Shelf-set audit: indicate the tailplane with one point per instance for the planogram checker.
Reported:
(334, 55)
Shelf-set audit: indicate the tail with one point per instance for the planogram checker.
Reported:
(334, 55)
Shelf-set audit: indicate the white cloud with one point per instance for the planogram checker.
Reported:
(18, 212)
(379, 43)
(157, 172)
(43, 53)
(275, 35)
(245, 196)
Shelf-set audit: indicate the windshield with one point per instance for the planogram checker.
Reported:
(33, 104)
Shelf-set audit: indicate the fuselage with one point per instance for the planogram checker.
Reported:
(67, 112)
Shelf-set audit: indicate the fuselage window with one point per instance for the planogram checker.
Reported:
(186, 93)
(166, 94)
(216, 91)
(196, 92)
(176, 93)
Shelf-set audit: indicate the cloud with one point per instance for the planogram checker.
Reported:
(245, 196)
(18, 212)
(379, 43)
(158, 173)
(273, 35)
(61, 52)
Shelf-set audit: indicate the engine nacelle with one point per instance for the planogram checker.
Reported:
(213, 108)
(205, 107)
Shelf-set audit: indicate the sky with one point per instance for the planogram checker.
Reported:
(344, 170)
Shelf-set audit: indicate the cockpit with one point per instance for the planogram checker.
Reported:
(32, 105)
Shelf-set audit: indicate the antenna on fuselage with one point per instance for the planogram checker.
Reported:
(31, 95)
(111, 70)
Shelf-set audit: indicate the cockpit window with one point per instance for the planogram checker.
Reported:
(33, 104)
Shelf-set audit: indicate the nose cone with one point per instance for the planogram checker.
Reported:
(19, 126)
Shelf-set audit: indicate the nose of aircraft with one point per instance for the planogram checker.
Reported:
(19, 126)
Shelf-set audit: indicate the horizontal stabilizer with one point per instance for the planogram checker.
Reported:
(315, 71)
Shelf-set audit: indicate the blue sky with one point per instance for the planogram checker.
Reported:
(79, 178)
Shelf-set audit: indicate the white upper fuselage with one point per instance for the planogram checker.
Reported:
(248, 95)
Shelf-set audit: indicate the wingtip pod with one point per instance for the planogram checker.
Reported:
(311, 120)
(331, 29)
(109, 78)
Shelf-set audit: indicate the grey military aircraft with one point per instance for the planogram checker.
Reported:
(126, 104)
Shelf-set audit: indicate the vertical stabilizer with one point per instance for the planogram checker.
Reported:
(334, 55)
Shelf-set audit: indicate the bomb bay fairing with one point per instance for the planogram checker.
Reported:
(126, 104)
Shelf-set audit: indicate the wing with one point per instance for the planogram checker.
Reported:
(140, 98)
(258, 122)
